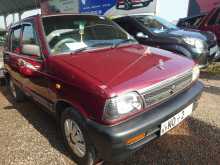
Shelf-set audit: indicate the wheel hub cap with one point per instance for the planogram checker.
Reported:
(75, 138)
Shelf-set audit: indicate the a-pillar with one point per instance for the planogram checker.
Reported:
(13, 18)
(19, 15)
(5, 21)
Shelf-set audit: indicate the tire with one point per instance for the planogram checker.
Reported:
(72, 138)
(16, 93)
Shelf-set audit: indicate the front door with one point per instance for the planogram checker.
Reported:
(37, 84)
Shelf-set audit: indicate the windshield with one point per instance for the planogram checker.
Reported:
(155, 24)
(71, 33)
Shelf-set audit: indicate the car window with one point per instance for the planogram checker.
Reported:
(29, 36)
(72, 33)
(128, 26)
(197, 21)
(15, 40)
(155, 24)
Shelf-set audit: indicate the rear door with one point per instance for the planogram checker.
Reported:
(11, 54)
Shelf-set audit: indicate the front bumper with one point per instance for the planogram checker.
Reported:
(110, 141)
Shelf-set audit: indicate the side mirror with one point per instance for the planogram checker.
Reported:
(32, 50)
(141, 35)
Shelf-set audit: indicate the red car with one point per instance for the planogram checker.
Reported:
(205, 22)
(129, 4)
(211, 22)
(109, 95)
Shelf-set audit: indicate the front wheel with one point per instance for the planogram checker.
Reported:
(76, 138)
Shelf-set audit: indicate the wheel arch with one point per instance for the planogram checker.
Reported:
(61, 105)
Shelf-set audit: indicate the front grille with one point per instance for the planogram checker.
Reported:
(167, 89)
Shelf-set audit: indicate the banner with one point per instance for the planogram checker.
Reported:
(100, 7)
(117, 7)
(59, 6)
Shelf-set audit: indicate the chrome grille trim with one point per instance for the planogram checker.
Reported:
(166, 89)
(143, 90)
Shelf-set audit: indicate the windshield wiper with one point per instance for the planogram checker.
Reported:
(94, 46)
(123, 41)
(102, 44)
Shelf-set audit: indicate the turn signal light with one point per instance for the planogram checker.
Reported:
(135, 139)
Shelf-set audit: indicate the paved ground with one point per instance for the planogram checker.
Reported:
(29, 136)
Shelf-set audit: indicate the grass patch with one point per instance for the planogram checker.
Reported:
(213, 68)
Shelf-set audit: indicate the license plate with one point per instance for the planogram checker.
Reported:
(175, 120)
(213, 50)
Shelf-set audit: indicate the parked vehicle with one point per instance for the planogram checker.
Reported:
(129, 4)
(209, 22)
(109, 94)
(155, 31)
(190, 22)
(2, 42)
(1, 66)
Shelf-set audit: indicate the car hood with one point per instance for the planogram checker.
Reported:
(205, 36)
(128, 67)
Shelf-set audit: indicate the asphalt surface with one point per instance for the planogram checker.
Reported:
(29, 136)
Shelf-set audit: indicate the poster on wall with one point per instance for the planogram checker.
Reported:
(197, 7)
(117, 7)
(100, 7)
(59, 6)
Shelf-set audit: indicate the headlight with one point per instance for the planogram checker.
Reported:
(122, 105)
(196, 73)
(197, 43)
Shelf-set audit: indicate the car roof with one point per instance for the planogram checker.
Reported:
(48, 16)
(130, 15)
(69, 14)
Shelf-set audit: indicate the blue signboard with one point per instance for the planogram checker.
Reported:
(96, 6)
